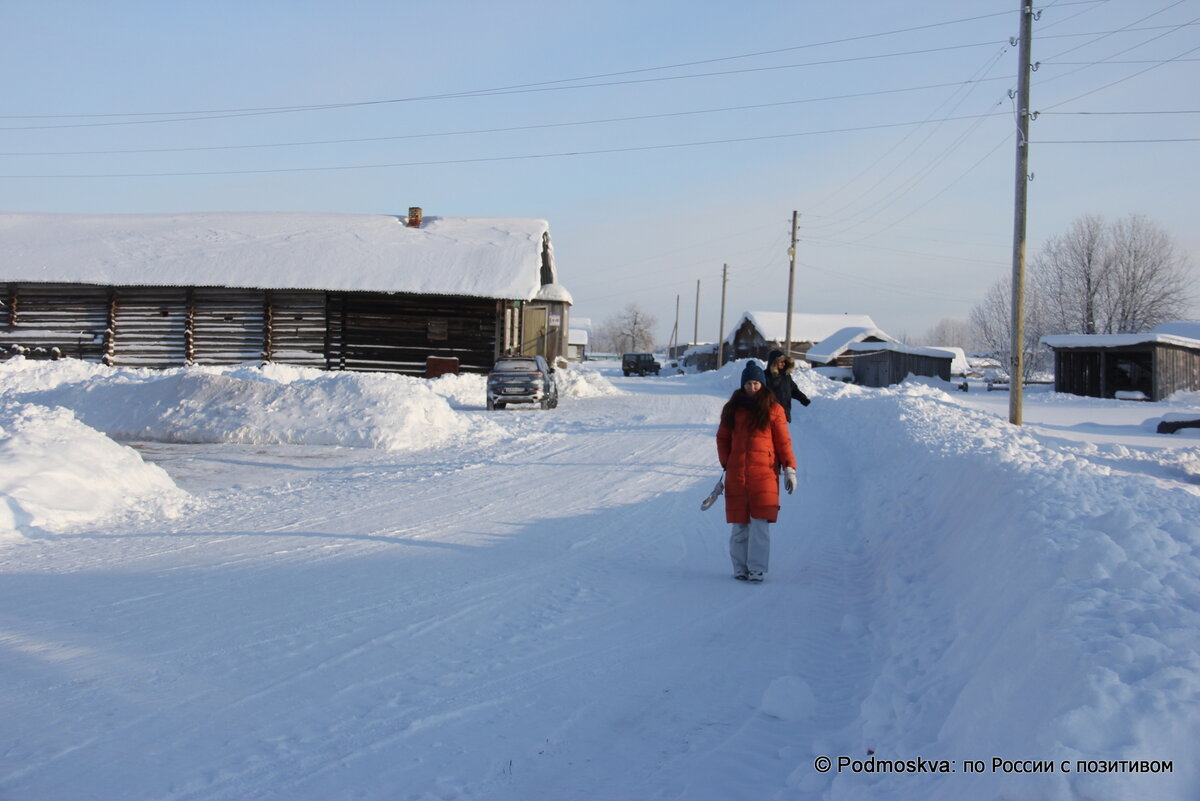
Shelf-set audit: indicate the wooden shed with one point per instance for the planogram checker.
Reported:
(882, 364)
(335, 291)
(1152, 365)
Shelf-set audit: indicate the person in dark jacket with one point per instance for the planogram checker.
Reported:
(779, 381)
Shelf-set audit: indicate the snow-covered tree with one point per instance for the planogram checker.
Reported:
(1119, 278)
(949, 332)
(990, 327)
(631, 330)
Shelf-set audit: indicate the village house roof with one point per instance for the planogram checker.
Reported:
(499, 258)
(805, 327)
(1184, 334)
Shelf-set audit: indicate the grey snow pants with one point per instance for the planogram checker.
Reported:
(750, 546)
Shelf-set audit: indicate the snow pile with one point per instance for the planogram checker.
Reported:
(55, 472)
(581, 381)
(462, 390)
(1032, 607)
(273, 405)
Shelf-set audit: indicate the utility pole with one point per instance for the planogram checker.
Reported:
(696, 326)
(787, 348)
(1016, 383)
(675, 331)
(721, 334)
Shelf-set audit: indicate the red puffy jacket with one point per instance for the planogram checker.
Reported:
(752, 459)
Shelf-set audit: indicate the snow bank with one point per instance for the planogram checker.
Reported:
(1032, 607)
(274, 405)
(56, 472)
(582, 381)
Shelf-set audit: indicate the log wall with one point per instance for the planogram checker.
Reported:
(163, 327)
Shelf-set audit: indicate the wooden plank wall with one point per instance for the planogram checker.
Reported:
(173, 326)
(47, 318)
(396, 333)
(1175, 369)
(227, 326)
(150, 327)
(296, 326)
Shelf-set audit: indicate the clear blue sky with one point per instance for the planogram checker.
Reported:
(661, 139)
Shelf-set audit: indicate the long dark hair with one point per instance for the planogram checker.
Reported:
(758, 405)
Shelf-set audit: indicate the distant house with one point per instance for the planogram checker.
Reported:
(699, 357)
(1151, 366)
(757, 333)
(336, 291)
(577, 344)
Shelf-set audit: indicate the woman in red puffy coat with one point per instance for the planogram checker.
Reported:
(753, 442)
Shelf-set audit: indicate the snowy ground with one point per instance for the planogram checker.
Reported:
(295, 585)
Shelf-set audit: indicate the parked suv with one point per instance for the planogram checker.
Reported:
(640, 363)
(521, 379)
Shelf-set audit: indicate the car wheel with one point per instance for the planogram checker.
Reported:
(498, 405)
(491, 405)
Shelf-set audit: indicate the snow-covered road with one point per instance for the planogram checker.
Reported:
(546, 614)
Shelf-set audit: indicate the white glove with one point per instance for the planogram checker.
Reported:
(712, 496)
(789, 479)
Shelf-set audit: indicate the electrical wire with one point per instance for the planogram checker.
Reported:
(479, 131)
(638, 81)
(485, 159)
(479, 92)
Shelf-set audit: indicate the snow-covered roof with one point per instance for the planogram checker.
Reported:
(961, 363)
(898, 347)
(1180, 328)
(805, 327)
(837, 342)
(1184, 334)
(577, 336)
(554, 292)
(478, 257)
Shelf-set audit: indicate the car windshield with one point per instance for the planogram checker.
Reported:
(510, 365)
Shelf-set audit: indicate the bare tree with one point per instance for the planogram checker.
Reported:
(1070, 273)
(631, 330)
(1149, 278)
(1122, 278)
(990, 326)
(949, 332)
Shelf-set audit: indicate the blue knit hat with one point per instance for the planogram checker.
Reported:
(753, 373)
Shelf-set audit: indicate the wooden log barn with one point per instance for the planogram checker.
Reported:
(333, 291)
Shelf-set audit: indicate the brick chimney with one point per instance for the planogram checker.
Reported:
(414, 217)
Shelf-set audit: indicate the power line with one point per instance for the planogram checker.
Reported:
(493, 93)
(478, 92)
(484, 159)
(512, 129)
(1112, 141)
(1123, 80)
(1114, 113)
